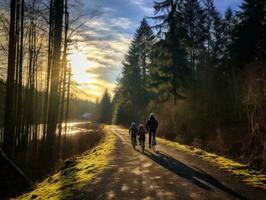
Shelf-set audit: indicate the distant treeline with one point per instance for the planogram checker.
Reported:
(203, 74)
(77, 107)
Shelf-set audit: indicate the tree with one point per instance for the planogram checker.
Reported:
(145, 37)
(105, 109)
(131, 94)
(194, 21)
(53, 110)
(130, 89)
(249, 31)
(169, 53)
(9, 135)
(229, 24)
(213, 32)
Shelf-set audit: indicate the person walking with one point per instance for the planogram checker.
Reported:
(151, 127)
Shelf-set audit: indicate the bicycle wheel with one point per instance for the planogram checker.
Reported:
(134, 144)
(142, 146)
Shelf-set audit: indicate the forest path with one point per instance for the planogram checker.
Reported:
(167, 174)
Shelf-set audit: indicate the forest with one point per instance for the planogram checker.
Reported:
(200, 71)
(38, 97)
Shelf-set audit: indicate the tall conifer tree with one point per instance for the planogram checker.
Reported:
(250, 30)
(131, 89)
(194, 20)
(170, 72)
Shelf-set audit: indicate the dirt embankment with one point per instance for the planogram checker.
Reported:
(84, 137)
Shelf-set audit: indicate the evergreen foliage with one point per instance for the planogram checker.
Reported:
(211, 65)
(131, 87)
(173, 72)
(250, 31)
(104, 109)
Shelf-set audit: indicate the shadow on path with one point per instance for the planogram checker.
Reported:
(196, 176)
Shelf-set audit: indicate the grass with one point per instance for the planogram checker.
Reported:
(70, 181)
(251, 177)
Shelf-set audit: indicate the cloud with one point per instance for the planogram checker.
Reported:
(105, 40)
(108, 74)
(145, 5)
(95, 90)
(104, 43)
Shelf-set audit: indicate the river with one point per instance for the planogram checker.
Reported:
(72, 129)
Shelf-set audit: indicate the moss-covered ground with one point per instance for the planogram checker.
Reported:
(251, 177)
(70, 181)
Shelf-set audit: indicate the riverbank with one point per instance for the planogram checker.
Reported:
(70, 180)
(83, 137)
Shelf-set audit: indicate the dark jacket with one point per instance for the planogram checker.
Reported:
(151, 124)
(141, 132)
(133, 130)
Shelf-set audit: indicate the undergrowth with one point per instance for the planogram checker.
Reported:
(251, 177)
(70, 181)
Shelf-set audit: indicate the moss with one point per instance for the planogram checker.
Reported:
(68, 182)
(250, 177)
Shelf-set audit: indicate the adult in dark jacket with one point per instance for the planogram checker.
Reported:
(151, 127)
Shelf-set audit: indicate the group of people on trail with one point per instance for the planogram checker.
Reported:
(140, 131)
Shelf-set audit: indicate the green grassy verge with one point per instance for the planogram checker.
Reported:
(251, 177)
(68, 182)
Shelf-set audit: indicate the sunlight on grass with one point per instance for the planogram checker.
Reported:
(68, 182)
(251, 177)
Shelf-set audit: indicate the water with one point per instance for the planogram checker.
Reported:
(72, 129)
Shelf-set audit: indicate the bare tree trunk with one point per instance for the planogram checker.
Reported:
(68, 99)
(19, 104)
(48, 75)
(16, 72)
(9, 132)
(64, 72)
(55, 71)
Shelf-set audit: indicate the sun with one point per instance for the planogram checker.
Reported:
(80, 64)
(89, 85)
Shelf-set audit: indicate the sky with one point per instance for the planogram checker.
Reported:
(96, 61)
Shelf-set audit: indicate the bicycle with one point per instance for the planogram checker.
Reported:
(142, 144)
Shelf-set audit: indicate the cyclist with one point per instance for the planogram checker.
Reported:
(141, 134)
(133, 131)
(151, 127)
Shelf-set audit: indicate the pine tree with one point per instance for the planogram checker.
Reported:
(131, 82)
(130, 93)
(105, 109)
(229, 24)
(213, 31)
(145, 37)
(170, 72)
(194, 20)
(250, 30)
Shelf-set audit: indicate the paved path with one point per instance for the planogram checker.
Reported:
(165, 175)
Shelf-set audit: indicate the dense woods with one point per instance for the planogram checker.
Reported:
(203, 73)
(36, 90)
